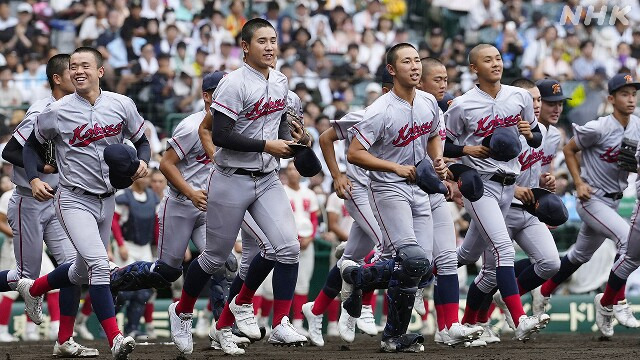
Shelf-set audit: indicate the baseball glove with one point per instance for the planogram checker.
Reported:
(47, 152)
(627, 156)
(292, 115)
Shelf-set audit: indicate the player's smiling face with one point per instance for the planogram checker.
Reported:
(407, 69)
(84, 71)
(489, 65)
(261, 52)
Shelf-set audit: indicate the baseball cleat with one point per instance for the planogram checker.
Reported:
(539, 302)
(418, 304)
(32, 304)
(332, 329)
(223, 339)
(180, 326)
(315, 325)
(604, 317)
(623, 313)
(122, 347)
(245, 319)
(476, 343)
(347, 326)
(439, 337)
(529, 325)
(488, 335)
(459, 334)
(71, 349)
(201, 329)
(285, 335)
(366, 322)
(497, 298)
(403, 343)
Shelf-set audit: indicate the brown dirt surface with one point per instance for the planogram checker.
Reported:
(546, 346)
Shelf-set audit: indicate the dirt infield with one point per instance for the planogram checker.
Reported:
(546, 347)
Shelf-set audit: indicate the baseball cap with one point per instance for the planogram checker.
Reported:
(211, 80)
(306, 161)
(427, 180)
(386, 76)
(24, 7)
(620, 80)
(548, 207)
(373, 87)
(503, 143)
(123, 163)
(436, 31)
(550, 90)
(469, 182)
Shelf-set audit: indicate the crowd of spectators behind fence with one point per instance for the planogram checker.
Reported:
(332, 52)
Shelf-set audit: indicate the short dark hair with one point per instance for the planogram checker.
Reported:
(473, 54)
(252, 26)
(584, 43)
(96, 54)
(392, 54)
(523, 83)
(56, 66)
(429, 63)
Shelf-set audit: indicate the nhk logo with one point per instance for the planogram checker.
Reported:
(587, 14)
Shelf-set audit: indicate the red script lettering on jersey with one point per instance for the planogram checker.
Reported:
(261, 108)
(610, 155)
(407, 134)
(486, 125)
(527, 159)
(203, 159)
(95, 133)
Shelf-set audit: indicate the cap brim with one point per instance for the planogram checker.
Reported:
(457, 169)
(298, 147)
(556, 98)
(634, 84)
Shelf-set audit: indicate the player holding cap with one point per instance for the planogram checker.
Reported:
(43, 224)
(397, 132)
(81, 126)
(488, 108)
(249, 106)
(599, 183)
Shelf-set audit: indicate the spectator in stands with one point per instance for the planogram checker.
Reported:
(385, 33)
(162, 82)
(554, 66)
(110, 33)
(7, 24)
(24, 31)
(357, 66)
(158, 183)
(320, 30)
(32, 81)
(148, 61)
(513, 11)
(181, 60)
(285, 30)
(485, 13)
(236, 19)
(93, 26)
(538, 50)
(135, 23)
(435, 43)
(338, 81)
(622, 59)
(170, 40)
(317, 61)
(302, 16)
(367, 18)
(153, 34)
(584, 66)
(371, 51)
(511, 46)
(152, 9)
(273, 13)
(218, 31)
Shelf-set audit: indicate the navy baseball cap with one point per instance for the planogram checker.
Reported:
(503, 143)
(427, 180)
(469, 182)
(386, 77)
(551, 90)
(211, 80)
(123, 163)
(620, 80)
(305, 160)
(548, 207)
(445, 102)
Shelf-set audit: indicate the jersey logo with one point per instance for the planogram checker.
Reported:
(528, 160)
(486, 125)
(261, 108)
(203, 159)
(407, 134)
(546, 160)
(443, 134)
(610, 155)
(95, 133)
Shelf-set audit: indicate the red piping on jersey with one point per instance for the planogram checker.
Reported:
(140, 128)
(619, 241)
(340, 129)
(488, 237)
(257, 237)
(164, 213)
(18, 132)
(380, 216)
(368, 224)
(20, 229)
(363, 137)
(179, 147)
(224, 106)
(623, 256)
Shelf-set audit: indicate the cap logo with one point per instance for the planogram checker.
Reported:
(628, 78)
(556, 89)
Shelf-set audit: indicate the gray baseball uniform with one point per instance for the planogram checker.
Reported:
(365, 233)
(33, 221)
(599, 141)
(256, 105)
(469, 119)
(84, 200)
(394, 130)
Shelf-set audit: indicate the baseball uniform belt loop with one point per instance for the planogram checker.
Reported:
(504, 179)
(253, 174)
(77, 190)
(615, 196)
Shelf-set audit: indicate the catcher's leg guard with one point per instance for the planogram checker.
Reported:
(144, 275)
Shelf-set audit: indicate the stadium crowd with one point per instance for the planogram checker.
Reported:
(332, 52)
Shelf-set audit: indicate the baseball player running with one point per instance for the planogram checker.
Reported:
(249, 106)
(397, 131)
(446, 291)
(33, 221)
(469, 120)
(599, 183)
(81, 125)
(527, 230)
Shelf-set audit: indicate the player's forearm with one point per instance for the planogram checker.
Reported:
(536, 137)
(362, 158)
(434, 147)
(452, 150)
(223, 136)
(326, 141)
(32, 162)
(13, 152)
(4, 226)
(143, 149)
(204, 132)
(171, 172)
(573, 165)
